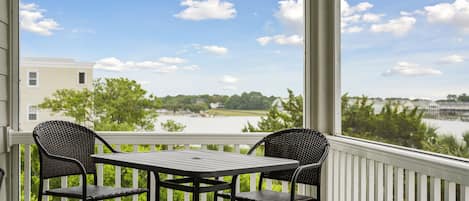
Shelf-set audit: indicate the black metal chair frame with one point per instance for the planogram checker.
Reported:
(293, 181)
(72, 161)
(2, 174)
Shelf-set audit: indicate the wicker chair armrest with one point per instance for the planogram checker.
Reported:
(306, 167)
(255, 146)
(106, 144)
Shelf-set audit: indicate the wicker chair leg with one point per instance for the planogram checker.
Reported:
(41, 187)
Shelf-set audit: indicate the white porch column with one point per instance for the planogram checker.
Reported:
(9, 52)
(322, 107)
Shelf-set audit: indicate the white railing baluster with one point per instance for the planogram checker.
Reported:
(46, 187)
(348, 178)
(284, 186)
(336, 174)
(388, 183)
(135, 176)
(342, 166)
(186, 194)
(464, 193)
(100, 167)
(203, 196)
(268, 184)
(301, 189)
(63, 184)
(421, 187)
(252, 177)
(356, 176)
(220, 148)
(117, 173)
(238, 180)
(152, 178)
(363, 180)
(329, 178)
(169, 194)
(435, 189)
(379, 190)
(399, 184)
(371, 180)
(27, 172)
(450, 191)
(410, 185)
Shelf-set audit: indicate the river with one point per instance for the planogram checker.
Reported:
(234, 124)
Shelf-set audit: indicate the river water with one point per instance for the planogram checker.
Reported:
(221, 124)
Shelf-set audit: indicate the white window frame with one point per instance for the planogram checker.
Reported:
(28, 78)
(78, 80)
(29, 112)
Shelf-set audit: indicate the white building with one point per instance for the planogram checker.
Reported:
(40, 78)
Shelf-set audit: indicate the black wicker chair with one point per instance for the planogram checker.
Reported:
(65, 149)
(2, 174)
(308, 146)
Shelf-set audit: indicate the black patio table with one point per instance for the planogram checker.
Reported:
(196, 167)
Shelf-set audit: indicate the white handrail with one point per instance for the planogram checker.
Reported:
(160, 138)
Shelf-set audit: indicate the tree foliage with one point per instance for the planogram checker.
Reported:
(114, 104)
(290, 117)
(173, 126)
(395, 124)
(249, 101)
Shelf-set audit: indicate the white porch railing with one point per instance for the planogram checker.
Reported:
(355, 170)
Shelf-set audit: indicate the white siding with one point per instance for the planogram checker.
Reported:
(3, 35)
(3, 11)
(3, 87)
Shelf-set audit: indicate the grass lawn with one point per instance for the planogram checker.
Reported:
(226, 112)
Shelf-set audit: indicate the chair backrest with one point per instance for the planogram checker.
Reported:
(2, 174)
(67, 139)
(305, 145)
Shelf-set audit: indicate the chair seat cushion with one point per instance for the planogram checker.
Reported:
(266, 195)
(95, 192)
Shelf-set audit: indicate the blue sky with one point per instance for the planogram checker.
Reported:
(404, 48)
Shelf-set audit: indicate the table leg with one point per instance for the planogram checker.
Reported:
(196, 192)
(215, 194)
(148, 185)
(233, 188)
(157, 186)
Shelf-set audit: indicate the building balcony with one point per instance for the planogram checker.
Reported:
(355, 169)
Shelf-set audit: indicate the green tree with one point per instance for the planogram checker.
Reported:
(290, 117)
(173, 126)
(114, 104)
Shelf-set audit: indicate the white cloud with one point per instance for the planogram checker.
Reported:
(371, 17)
(172, 60)
(281, 40)
(411, 69)
(215, 49)
(354, 18)
(347, 10)
(353, 29)
(456, 13)
(32, 19)
(290, 13)
(163, 65)
(228, 79)
(208, 9)
(452, 59)
(398, 27)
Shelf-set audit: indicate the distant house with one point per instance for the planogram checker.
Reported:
(428, 106)
(453, 108)
(217, 105)
(41, 77)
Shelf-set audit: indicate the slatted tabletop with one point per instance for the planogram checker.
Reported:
(197, 163)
